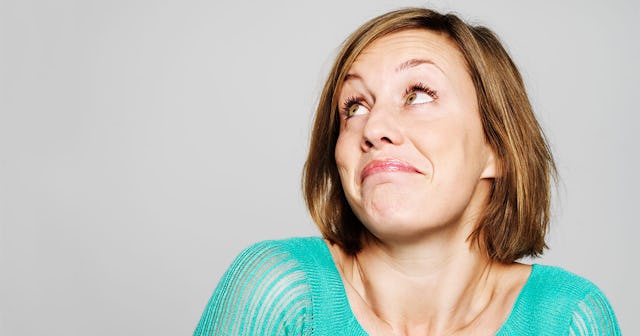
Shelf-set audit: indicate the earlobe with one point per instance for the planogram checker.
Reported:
(491, 166)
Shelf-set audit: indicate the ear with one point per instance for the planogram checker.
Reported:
(491, 166)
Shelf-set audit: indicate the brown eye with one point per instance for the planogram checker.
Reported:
(418, 98)
(411, 98)
(353, 109)
(356, 109)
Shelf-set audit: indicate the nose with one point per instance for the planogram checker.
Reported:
(380, 129)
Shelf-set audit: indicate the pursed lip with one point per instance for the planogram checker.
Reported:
(386, 165)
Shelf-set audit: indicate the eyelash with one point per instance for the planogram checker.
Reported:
(417, 87)
(353, 100)
(421, 87)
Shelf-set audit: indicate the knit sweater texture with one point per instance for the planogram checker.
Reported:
(292, 287)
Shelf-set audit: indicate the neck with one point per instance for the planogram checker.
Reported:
(437, 285)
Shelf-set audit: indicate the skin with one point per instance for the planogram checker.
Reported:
(413, 104)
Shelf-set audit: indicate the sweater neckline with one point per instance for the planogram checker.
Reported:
(355, 328)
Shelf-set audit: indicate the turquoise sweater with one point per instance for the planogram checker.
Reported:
(292, 287)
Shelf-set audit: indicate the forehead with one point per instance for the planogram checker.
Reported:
(390, 50)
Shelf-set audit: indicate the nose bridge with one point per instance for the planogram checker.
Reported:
(381, 126)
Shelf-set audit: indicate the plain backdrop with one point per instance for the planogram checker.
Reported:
(143, 144)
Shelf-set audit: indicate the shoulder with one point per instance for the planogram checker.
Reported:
(587, 308)
(266, 290)
(278, 263)
(292, 251)
(554, 284)
(556, 299)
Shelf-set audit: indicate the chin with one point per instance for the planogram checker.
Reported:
(398, 232)
(397, 225)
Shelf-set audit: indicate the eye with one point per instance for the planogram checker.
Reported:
(356, 109)
(419, 94)
(353, 106)
(418, 98)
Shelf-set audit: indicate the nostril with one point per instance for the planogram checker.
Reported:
(385, 139)
(368, 143)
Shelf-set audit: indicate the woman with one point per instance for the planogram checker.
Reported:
(428, 176)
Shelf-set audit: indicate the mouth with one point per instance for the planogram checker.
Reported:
(386, 166)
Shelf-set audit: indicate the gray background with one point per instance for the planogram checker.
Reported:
(143, 144)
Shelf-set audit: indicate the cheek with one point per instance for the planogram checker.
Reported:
(430, 143)
(340, 154)
(345, 158)
(450, 149)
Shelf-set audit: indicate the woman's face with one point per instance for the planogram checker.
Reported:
(411, 152)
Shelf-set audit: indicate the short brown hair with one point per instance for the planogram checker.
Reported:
(514, 222)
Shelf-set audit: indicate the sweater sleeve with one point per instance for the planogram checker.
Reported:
(264, 292)
(594, 316)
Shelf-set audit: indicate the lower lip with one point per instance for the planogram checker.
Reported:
(387, 167)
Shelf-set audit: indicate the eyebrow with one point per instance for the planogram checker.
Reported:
(412, 63)
(348, 77)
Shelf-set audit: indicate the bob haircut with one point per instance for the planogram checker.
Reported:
(514, 222)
